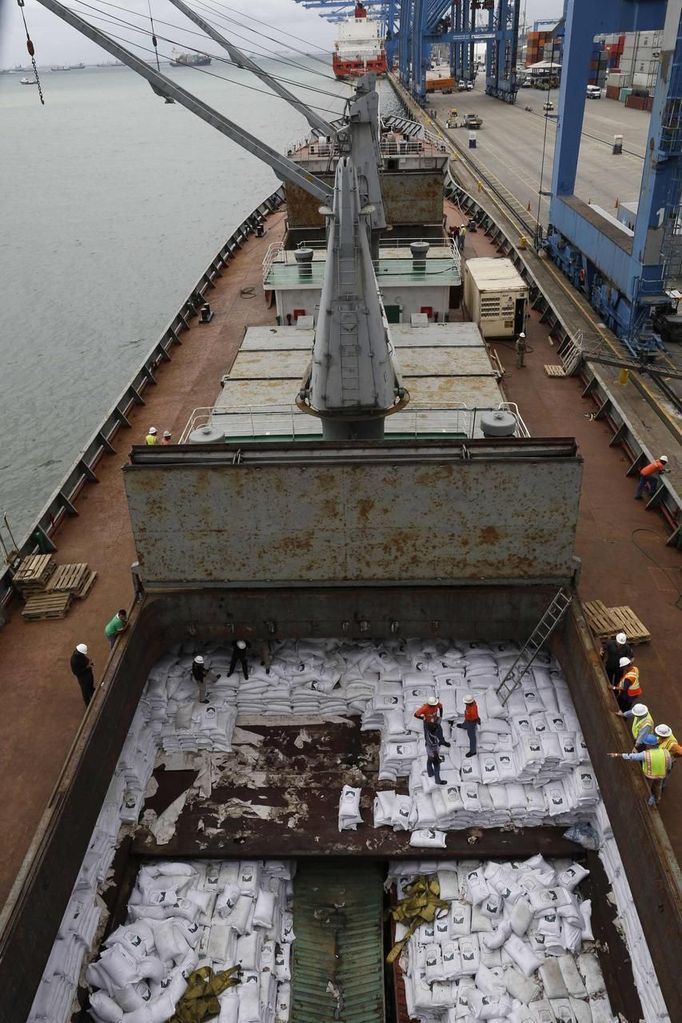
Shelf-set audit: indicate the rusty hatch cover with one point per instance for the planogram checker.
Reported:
(338, 953)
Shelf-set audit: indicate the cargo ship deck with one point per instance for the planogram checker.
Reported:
(43, 712)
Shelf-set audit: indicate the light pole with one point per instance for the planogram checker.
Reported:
(538, 228)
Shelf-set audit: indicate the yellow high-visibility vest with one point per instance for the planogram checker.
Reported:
(656, 763)
(667, 743)
(639, 723)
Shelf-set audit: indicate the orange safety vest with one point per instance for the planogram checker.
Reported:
(639, 723)
(631, 679)
(656, 764)
(652, 467)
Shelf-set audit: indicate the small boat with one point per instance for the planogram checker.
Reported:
(28, 81)
(59, 67)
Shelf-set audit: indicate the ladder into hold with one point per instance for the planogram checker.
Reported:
(529, 651)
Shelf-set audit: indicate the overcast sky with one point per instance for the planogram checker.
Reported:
(56, 43)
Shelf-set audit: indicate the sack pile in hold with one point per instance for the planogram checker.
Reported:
(182, 916)
(513, 945)
(532, 767)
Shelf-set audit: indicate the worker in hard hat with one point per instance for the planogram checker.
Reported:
(629, 690)
(521, 349)
(471, 722)
(656, 766)
(151, 437)
(200, 674)
(82, 666)
(239, 648)
(642, 724)
(665, 737)
(432, 734)
(431, 712)
(650, 476)
(611, 652)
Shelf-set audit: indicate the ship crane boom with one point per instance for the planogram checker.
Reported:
(316, 122)
(284, 168)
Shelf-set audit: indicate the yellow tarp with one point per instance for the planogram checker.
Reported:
(420, 905)
(200, 1000)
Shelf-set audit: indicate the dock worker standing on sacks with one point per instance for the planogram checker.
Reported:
(433, 743)
(628, 691)
(431, 713)
(650, 476)
(470, 723)
(239, 648)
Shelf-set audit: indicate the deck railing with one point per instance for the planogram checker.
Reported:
(62, 502)
(286, 421)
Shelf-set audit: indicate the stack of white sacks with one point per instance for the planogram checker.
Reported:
(182, 916)
(514, 944)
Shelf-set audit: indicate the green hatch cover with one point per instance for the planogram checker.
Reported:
(338, 954)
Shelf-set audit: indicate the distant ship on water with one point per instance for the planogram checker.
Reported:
(189, 59)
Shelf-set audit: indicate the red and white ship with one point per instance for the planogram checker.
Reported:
(359, 47)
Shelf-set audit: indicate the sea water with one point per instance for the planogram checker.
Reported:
(113, 204)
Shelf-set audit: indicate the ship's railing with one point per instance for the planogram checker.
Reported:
(276, 252)
(286, 422)
(62, 502)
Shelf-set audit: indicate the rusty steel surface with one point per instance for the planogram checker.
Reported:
(279, 789)
(273, 365)
(497, 518)
(446, 362)
(438, 391)
(410, 197)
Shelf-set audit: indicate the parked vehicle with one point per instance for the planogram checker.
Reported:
(472, 121)
(593, 92)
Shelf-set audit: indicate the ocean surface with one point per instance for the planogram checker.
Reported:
(113, 205)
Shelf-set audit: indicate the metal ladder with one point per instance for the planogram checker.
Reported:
(529, 651)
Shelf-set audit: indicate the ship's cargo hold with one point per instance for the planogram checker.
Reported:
(542, 971)
(496, 296)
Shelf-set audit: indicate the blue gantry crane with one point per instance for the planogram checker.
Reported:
(413, 27)
(631, 274)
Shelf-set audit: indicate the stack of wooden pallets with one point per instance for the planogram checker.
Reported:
(34, 573)
(607, 621)
(49, 589)
(75, 579)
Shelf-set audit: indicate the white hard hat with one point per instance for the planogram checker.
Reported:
(167, 433)
(198, 659)
(623, 662)
(469, 699)
(241, 644)
(663, 730)
(640, 710)
(152, 429)
(663, 458)
(432, 701)
(621, 638)
(81, 648)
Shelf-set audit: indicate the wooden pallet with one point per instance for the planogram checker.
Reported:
(33, 573)
(41, 606)
(67, 578)
(555, 371)
(607, 621)
(627, 621)
(87, 585)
